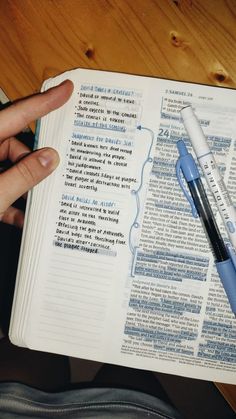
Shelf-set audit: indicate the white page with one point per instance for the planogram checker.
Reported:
(78, 276)
(179, 319)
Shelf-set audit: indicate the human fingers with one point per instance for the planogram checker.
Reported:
(17, 116)
(25, 174)
(13, 216)
(13, 150)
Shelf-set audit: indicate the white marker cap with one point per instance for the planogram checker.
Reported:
(194, 132)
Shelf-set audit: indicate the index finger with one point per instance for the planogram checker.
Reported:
(17, 116)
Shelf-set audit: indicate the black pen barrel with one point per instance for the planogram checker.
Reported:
(208, 220)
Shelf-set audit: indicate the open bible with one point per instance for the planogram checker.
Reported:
(113, 267)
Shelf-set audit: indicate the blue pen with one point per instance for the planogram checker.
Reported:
(224, 258)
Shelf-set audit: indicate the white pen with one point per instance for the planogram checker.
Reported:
(211, 172)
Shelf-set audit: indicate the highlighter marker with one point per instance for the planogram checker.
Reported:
(211, 172)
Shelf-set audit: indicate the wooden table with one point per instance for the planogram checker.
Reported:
(191, 40)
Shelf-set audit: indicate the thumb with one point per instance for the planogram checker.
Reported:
(29, 171)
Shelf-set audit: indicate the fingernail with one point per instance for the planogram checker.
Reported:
(63, 82)
(48, 158)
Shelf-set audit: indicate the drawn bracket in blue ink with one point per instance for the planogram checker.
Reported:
(136, 192)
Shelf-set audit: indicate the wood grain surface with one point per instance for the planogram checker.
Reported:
(191, 40)
(229, 393)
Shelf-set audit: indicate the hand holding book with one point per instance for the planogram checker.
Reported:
(109, 242)
(29, 168)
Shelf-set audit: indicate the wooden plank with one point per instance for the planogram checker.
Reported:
(184, 40)
(229, 393)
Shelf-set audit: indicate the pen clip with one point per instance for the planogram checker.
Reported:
(232, 254)
(184, 189)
